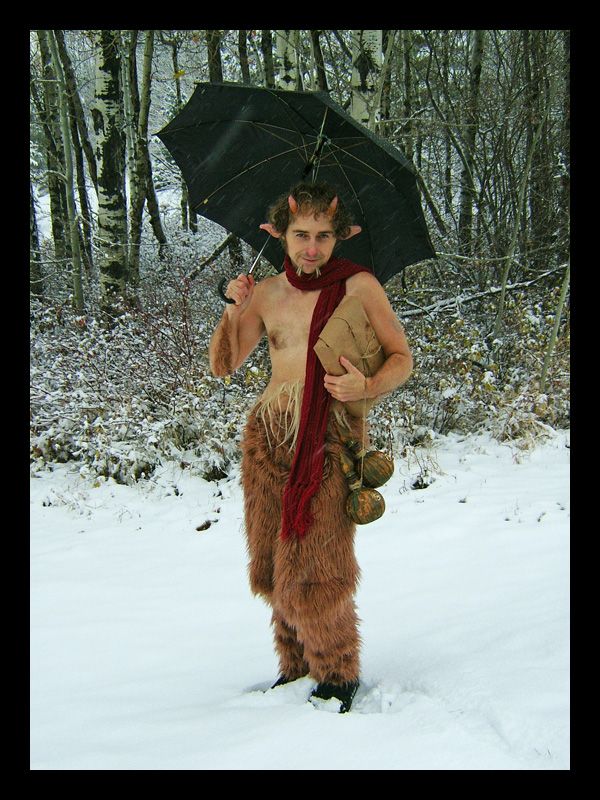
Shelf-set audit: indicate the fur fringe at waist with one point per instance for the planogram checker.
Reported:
(281, 417)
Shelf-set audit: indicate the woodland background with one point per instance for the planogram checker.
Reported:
(123, 274)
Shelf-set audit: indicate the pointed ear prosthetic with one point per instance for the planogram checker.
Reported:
(354, 229)
(266, 226)
(293, 204)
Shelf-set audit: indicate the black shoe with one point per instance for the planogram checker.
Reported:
(343, 692)
(282, 680)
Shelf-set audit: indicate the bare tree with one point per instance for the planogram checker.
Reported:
(554, 334)
(319, 63)
(107, 116)
(470, 125)
(215, 65)
(69, 175)
(243, 53)
(47, 106)
(266, 46)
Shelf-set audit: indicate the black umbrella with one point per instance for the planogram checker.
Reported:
(240, 147)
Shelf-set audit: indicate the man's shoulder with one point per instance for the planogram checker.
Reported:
(271, 285)
(361, 282)
(268, 290)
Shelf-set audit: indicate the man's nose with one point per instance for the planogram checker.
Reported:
(312, 246)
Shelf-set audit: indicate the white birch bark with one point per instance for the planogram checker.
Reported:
(366, 68)
(107, 114)
(286, 76)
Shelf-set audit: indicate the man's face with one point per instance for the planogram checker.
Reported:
(309, 242)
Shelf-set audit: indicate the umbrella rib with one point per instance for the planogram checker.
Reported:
(243, 172)
(343, 171)
(201, 122)
(265, 126)
(360, 160)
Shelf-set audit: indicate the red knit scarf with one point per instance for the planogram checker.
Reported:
(306, 471)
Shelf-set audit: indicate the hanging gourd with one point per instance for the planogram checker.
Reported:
(363, 505)
(377, 467)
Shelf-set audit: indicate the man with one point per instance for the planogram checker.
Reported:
(300, 540)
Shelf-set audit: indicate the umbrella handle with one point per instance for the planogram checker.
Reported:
(222, 282)
(221, 288)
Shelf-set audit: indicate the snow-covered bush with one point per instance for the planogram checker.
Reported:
(122, 399)
(463, 381)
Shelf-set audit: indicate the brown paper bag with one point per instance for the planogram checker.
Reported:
(349, 333)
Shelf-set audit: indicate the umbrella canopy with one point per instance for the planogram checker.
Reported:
(240, 147)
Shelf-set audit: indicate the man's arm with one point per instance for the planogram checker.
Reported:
(398, 364)
(240, 329)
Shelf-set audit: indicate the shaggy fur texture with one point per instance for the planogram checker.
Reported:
(223, 362)
(310, 582)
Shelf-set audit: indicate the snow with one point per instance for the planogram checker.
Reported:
(148, 650)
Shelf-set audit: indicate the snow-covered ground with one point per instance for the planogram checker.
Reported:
(149, 652)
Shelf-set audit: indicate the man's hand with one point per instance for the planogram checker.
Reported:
(240, 289)
(349, 387)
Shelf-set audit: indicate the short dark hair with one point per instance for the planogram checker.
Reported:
(315, 197)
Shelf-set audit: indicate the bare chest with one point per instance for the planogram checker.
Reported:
(287, 320)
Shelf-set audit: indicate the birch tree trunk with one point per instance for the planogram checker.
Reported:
(136, 163)
(36, 280)
(383, 83)
(107, 115)
(366, 67)
(69, 172)
(55, 167)
(75, 99)
(141, 182)
(286, 74)
(471, 122)
(80, 145)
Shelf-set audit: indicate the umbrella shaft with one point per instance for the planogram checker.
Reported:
(255, 262)
(316, 156)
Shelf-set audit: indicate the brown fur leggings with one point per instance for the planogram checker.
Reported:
(309, 583)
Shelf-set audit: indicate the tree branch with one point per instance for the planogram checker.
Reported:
(203, 264)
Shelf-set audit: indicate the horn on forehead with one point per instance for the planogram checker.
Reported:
(332, 207)
(293, 204)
